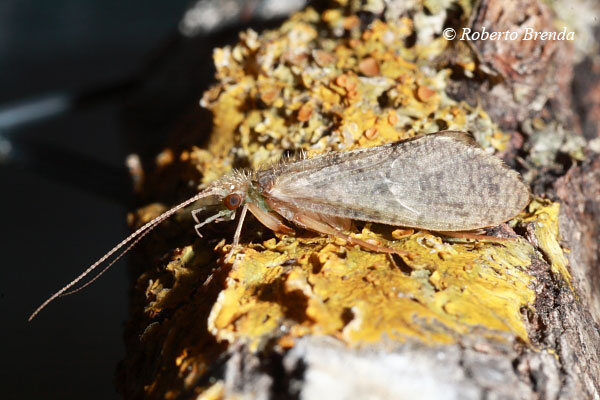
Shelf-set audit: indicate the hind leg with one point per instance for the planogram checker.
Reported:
(315, 225)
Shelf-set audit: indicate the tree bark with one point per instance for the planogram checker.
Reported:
(309, 317)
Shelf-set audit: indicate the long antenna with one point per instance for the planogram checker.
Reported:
(99, 274)
(137, 235)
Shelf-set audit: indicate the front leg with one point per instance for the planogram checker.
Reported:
(223, 215)
(268, 219)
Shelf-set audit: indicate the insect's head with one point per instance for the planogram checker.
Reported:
(228, 195)
(231, 192)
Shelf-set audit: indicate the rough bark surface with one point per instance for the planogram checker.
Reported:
(560, 359)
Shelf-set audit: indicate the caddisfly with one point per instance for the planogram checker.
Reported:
(442, 182)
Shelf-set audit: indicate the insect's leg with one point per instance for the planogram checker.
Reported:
(238, 231)
(269, 219)
(339, 223)
(195, 212)
(321, 227)
(475, 236)
(218, 217)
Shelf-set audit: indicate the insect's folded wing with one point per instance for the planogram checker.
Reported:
(453, 185)
(332, 184)
(433, 182)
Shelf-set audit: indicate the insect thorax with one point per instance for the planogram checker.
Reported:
(256, 189)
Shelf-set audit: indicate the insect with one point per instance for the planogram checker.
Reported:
(442, 182)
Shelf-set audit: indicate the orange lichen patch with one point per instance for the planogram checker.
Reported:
(296, 58)
(424, 93)
(323, 58)
(402, 233)
(369, 67)
(268, 96)
(351, 22)
(354, 43)
(370, 133)
(346, 81)
(362, 297)
(305, 112)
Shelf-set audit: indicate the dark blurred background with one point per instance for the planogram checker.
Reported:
(83, 83)
(50, 230)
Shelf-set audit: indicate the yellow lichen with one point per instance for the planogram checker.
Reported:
(316, 287)
(544, 215)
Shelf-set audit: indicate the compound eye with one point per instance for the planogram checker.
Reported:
(232, 201)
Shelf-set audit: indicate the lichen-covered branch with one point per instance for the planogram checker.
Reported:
(309, 316)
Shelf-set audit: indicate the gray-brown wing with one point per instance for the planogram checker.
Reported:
(439, 182)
